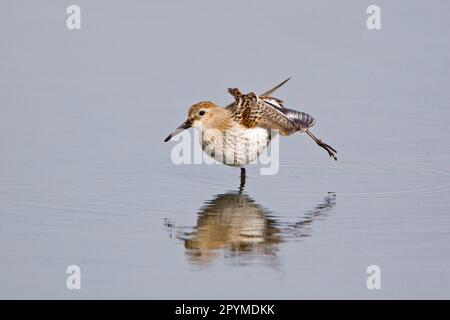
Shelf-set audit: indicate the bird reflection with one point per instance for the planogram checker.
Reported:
(235, 225)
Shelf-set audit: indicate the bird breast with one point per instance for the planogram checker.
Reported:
(236, 146)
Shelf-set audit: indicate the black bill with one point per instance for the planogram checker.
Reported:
(185, 125)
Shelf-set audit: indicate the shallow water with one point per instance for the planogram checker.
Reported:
(87, 180)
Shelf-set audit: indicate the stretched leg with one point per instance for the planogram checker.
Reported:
(242, 185)
(322, 144)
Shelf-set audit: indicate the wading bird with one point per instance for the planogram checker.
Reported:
(237, 134)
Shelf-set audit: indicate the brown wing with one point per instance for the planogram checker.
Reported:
(265, 112)
(267, 95)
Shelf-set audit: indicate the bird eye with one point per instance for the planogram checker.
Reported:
(202, 112)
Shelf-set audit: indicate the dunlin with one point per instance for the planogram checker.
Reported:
(237, 134)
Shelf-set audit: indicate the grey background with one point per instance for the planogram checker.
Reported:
(85, 177)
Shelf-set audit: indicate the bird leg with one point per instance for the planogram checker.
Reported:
(242, 185)
(322, 144)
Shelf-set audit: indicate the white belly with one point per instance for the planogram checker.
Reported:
(237, 147)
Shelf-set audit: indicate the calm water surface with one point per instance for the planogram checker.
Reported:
(86, 179)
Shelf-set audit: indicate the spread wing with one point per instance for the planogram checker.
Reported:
(267, 112)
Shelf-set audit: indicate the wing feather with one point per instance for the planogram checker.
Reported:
(267, 112)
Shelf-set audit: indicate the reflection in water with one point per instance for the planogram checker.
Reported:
(234, 224)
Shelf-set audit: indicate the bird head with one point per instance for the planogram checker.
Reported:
(202, 114)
